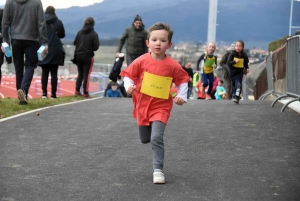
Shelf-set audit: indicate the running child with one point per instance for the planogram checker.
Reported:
(207, 62)
(149, 79)
(238, 64)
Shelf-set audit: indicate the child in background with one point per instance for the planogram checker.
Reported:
(215, 84)
(238, 63)
(149, 79)
(113, 92)
(209, 62)
(220, 91)
(200, 90)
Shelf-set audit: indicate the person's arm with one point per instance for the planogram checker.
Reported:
(198, 62)
(96, 42)
(6, 23)
(122, 41)
(127, 82)
(42, 25)
(216, 61)
(61, 30)
(230, 60)
(182, 91)
(246, 61)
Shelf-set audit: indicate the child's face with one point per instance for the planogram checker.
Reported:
(114, 87)
(211, 48)
(238, 47)
(158, 43)
(220, 83)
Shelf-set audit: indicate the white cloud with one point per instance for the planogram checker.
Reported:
(64, 3)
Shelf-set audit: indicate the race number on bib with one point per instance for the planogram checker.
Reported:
(156, 86)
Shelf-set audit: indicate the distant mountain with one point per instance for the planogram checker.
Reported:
(250, 20)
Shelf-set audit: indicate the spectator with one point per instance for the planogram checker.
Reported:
(136, 38)
(54, 58)
(208, 62)
(226, 71)
(24, 23)
(113, 92)
(86, 42)
(238, 62)
(188, 69)
(196, 78)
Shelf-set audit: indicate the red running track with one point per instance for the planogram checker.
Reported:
(64, 88)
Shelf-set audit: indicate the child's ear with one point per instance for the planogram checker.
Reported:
(170, 45)
(147, 43)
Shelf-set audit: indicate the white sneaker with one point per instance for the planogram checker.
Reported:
(158, 177)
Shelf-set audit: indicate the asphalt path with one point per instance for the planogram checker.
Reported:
(214, 150)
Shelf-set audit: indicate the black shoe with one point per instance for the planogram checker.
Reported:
(23, 103)
(22, 96)
(53, 97)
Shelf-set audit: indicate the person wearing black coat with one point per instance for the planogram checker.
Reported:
(55, 56)
(86, 43)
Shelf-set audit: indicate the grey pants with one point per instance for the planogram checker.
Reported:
(154, 134)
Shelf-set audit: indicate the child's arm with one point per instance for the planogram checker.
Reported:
(129, 85)
(216, 62)
(181, 97)
(198, 62)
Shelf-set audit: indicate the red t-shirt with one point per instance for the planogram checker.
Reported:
(147, 108)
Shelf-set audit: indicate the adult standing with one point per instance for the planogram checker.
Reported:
(24, 22)
(188, 69)
(54, 58)
(86, 42)
(136, 37)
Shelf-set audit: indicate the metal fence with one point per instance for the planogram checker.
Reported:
(292, 72)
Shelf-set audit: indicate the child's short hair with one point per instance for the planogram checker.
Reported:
(113, 84)
(161, 26)
(221, 81)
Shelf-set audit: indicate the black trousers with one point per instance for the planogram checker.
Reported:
(46, 69)
(84, 66)
(29, 49)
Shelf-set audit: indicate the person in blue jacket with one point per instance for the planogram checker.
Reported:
(113, 92)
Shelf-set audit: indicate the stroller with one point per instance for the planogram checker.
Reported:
(114, 75)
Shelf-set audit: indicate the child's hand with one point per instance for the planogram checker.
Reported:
(178, 101)
(247, 71)
(131, 89)
(237, 61)
(215, 66)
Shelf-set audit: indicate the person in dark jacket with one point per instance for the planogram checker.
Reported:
(86, 42)
(238, 62)
(136, 37)
(226, 72)
(188, 69)
(54, 58)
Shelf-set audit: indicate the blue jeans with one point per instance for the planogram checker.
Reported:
(236, 80)
(208, 80)
(154, 134)
(29, 49)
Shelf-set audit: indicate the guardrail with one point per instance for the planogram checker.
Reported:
(292, 72)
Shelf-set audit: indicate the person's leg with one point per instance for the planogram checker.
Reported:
(79, 79)
(87, 69)
(157, 142)
(129, 59)
(31, 61)
(53, 70)
(44, 81)
(18, 59)
(145, 134)
(238, 85)
(204, 80)
(189, 92)
(210, 82)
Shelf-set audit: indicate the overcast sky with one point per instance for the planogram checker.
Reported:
(64, 3)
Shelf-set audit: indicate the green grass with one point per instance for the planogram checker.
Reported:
(10, 106)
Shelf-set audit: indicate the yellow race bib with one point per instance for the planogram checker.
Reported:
(240, 64)
(156, 86)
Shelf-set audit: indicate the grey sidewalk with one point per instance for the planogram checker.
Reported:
(215, 150)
